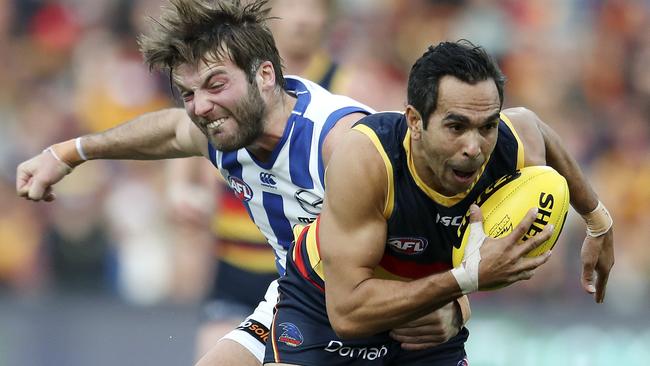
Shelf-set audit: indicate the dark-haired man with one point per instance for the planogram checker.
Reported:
(347, 280)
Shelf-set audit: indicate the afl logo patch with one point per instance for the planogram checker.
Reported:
(408, 246)
(290, 335)
(241, 189)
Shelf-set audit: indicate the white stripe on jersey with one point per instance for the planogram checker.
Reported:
(288, 189)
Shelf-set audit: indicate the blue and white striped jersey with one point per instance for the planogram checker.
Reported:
(288, 189)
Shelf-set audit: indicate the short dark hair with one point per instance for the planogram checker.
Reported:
(460, 59)
(190, 31)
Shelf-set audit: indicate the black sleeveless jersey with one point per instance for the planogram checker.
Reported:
(423, 224)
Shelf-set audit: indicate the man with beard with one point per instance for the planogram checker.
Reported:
(270, 137)
(244, 262)
(348, 278)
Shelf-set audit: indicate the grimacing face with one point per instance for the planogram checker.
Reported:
(222, 103)
(460, 135)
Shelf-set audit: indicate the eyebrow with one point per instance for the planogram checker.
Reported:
(463, 119)
(206, 80)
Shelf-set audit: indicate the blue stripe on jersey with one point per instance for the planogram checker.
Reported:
(212, 153)
(281, 270)
(229, 162)
(302, 94)
(299, 153)
(280, 225)
(329, 123)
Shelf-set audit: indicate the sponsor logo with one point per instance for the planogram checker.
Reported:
(409, 246)
(363, 353)
(449, 220)
(241, 189)
(309, 201)
(256, 329)
(544, 212)
(268, 180)
(306, 220)
(290, 335)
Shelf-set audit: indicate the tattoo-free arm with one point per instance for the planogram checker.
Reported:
(597, 252)
(164, 134)
(352, 242)
(158, 135)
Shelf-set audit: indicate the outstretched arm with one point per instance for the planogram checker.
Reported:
(598, 247)
(352, 237)
(158, 135)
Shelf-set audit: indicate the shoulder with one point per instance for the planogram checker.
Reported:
(357, 166)
(526, 125)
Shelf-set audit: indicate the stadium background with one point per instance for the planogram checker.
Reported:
(100, 277)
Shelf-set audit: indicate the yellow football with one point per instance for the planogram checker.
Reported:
(505, 203)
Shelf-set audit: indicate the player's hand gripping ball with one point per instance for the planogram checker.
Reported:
(505, 203)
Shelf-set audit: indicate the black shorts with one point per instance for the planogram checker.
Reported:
(301, 334)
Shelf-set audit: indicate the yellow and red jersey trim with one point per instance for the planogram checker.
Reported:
(306, 255)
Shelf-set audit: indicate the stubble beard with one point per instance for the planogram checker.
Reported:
(248, 114)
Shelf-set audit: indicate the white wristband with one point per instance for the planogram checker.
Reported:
(80, 150)
(467, 273)
(464, 280)
(598, 221)
(51, 151)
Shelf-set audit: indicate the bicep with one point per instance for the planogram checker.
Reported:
(352, 226)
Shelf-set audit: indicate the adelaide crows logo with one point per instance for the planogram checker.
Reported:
(290, 335)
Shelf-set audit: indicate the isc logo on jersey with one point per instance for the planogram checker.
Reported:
(449, 220)
(408, 246)
(241, 189)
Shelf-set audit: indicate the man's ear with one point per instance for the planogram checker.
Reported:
(414, 121)
(265, 75)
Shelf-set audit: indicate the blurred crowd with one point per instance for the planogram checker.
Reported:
(70, 67)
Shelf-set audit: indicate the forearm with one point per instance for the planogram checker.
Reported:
(377, 305)
(150, 136)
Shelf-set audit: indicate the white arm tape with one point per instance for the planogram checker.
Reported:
(467, 273)
(80, 150)
(598, 221)
(57, 157)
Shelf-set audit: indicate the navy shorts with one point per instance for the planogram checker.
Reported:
(301, 334)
